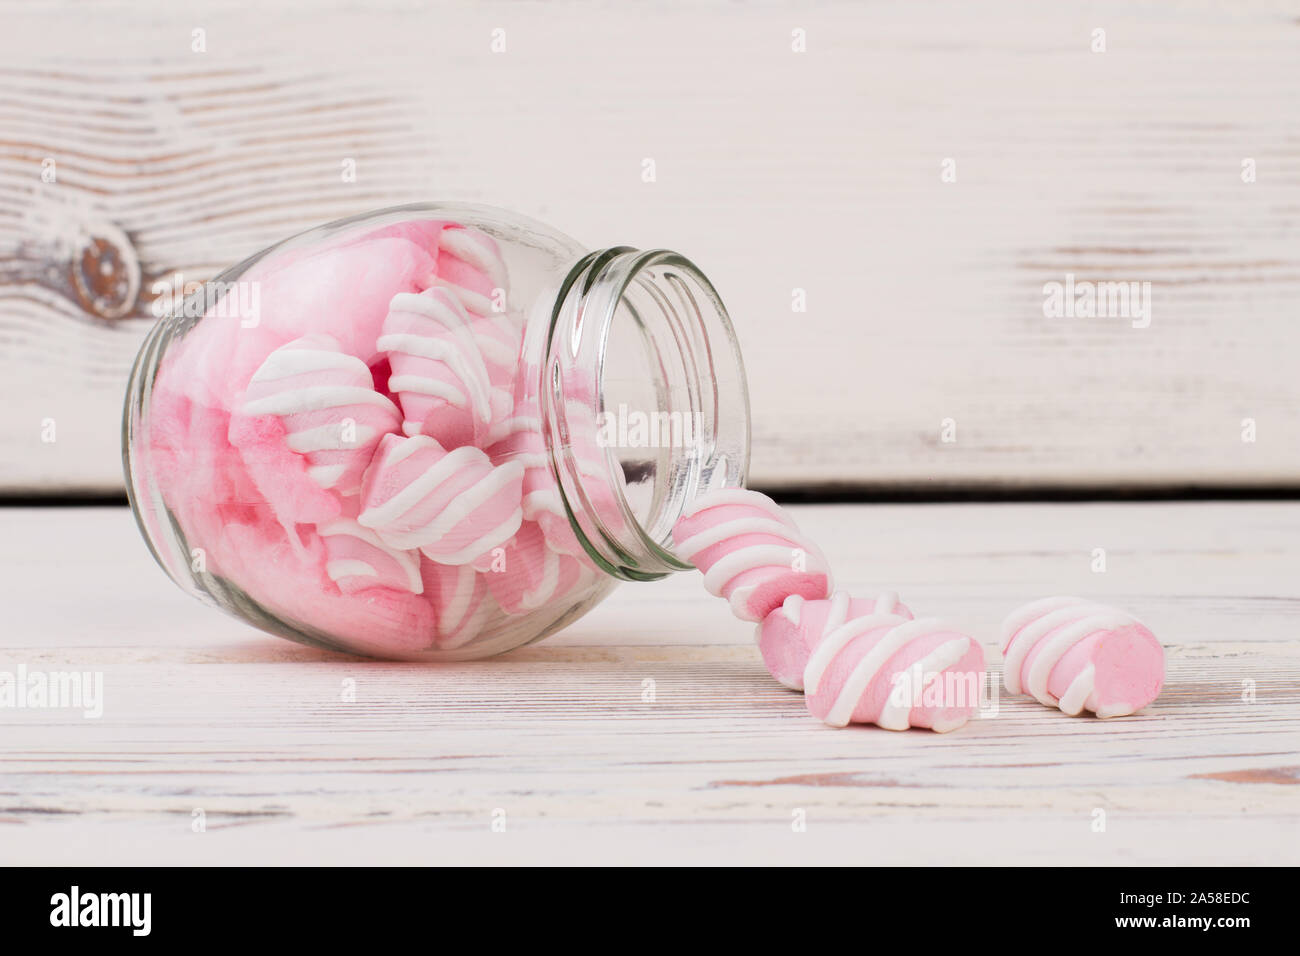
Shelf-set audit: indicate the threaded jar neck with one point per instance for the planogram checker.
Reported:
(644, 403)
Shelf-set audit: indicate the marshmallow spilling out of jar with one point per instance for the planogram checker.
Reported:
(433, 432)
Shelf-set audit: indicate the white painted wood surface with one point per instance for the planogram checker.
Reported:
(775, 170)
(201, 712)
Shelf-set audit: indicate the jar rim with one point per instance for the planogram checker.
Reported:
(693, 355)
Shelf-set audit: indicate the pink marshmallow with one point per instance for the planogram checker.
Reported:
(357, 559)
(470, 266)
(751, 552)
(787, 637)
(460, 601)
(437, 371)
(280, 475)
(500, 341)
(455, 506)
(1076, 655)
(332, 415)
(532, 574)
(519, 438)
(866, 665)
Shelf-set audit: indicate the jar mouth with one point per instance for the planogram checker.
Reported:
(645, 404)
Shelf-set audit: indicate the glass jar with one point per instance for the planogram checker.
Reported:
(433, 432)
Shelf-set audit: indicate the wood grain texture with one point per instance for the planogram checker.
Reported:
(203, 713)
(776, 171)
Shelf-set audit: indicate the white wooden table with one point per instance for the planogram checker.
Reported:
(204, 714)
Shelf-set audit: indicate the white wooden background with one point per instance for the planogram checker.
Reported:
(776, 171)
(202, 713)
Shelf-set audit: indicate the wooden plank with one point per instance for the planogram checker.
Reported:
(202, 713)
(818, 171)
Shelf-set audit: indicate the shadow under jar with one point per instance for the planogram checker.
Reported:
(433, 432)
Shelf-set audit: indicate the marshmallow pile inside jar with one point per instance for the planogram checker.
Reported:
(348, 451)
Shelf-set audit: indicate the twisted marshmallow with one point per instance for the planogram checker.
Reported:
(786, 637)
(751, 552)
(438, 373)
(358, 559)
(868, 663)
(471, 268)
(519, 438)
(326, 400)
(455, 506)
(532, 574)
(1077, 655)
(459, 597)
